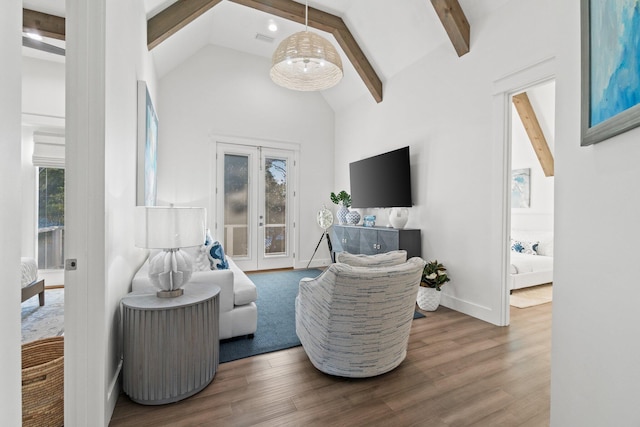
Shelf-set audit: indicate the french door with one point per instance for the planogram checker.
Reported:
(254, 220)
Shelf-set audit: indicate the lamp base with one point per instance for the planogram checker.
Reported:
(168, 271)
(170, 294)
(398, 217)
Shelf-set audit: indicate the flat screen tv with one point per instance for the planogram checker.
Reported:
(382, 181)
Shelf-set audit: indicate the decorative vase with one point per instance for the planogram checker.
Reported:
(398, 217)
(342, 214)
(353, 217)
(428, 298)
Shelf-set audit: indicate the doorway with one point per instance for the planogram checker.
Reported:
(504, 89)
(255, 205)
(532, 196)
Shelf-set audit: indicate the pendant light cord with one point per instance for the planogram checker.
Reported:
(306, 16)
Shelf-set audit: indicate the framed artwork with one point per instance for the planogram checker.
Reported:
(520, 188)
(610, 68)
(146, 190)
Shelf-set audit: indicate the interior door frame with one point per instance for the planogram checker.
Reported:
(503, 90)
(216, 210)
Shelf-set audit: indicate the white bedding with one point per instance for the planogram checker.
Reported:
(29, 271)
(523, 263)
(530, 270)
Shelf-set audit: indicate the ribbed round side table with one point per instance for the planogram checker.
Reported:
(170, 347)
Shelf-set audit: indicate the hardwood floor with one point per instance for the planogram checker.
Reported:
(459, 371)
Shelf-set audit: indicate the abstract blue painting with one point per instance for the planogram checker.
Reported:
(520, 188)
(610, 68)
(147, 148)
(615, 66)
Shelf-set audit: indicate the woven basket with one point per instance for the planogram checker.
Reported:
(42, 382)
(428, 298)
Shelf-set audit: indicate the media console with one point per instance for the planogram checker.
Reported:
(357, 239)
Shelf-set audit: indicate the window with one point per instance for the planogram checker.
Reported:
(50, 218)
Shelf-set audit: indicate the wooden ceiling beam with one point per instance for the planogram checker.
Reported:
(455, 24)
(181, 13)
(536, 136)
(174, 18)
(44, 24)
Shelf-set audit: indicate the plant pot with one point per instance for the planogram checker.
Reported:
(342, 214)
(428, 298)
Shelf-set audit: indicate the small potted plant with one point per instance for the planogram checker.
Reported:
(343, 200)
(434, 276)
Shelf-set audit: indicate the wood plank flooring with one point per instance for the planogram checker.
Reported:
(459, 371)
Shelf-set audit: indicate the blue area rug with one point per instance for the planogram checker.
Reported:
(277, 293)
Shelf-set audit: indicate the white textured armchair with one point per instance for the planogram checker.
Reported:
(355, 321)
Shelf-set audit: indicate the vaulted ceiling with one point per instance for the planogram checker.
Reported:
(390, 36)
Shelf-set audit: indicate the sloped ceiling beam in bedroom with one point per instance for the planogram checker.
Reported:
(455, 24)
(44, 24)
(181, 13)
(536, 136)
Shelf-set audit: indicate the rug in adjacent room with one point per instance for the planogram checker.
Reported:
(46, 321)
(529, 297)
(277, 293)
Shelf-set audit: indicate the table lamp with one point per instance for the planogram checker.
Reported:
(169, 228)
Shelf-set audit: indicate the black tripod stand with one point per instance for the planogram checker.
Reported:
(324, 234)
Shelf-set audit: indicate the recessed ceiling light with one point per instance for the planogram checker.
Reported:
(273, 27)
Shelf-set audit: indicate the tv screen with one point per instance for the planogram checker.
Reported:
(382, 181)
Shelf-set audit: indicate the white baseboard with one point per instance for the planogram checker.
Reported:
(113, 392)
(471, 309)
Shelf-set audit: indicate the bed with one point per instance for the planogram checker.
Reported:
(531, 259)
(30, 284)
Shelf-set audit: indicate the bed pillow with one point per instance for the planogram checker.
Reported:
(524, 247)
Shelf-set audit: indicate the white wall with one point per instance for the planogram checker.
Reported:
(595, 380)
(43, 86)
(106, 55)
(539, 215)
(127, 62)
(10, 42)
(223, 92)
(442, 107)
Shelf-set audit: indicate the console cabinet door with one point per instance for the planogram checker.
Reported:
(388, 241)
(351, 242)
(369, 242)
(347, 239)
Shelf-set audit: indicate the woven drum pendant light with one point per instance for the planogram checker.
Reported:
(306, 61)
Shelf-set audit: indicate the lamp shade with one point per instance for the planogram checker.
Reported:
(306, 61)
(169, 227)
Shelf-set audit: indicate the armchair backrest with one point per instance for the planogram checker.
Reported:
(384, 259)
(365, 312)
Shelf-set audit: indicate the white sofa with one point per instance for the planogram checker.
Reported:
(238, 311)
(531, 270)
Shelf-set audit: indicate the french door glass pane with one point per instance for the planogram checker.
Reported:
(50, 218)
(236, 205)
(275, 189)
